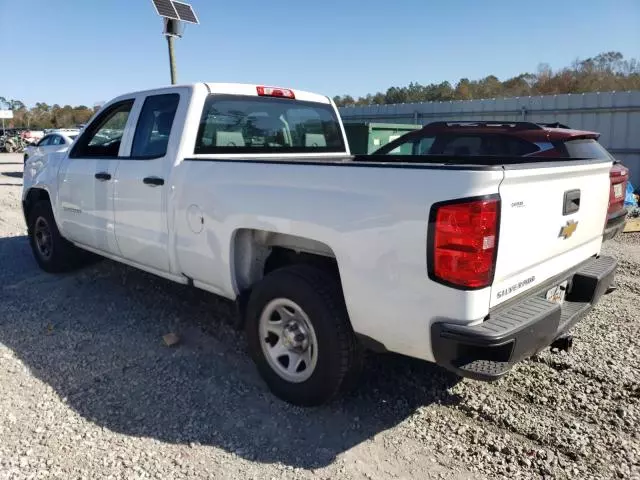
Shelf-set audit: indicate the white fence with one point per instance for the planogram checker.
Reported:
(616, 115)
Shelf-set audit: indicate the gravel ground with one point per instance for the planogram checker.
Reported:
(88, 390)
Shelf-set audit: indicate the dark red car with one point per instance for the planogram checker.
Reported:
(547, 140)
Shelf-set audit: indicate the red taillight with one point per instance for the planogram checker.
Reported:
(275, 92)
(464, 242)
(618, 190)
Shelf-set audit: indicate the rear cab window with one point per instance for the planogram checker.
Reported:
(252, 125)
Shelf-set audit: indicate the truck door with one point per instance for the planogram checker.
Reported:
(142, 183)
(86, 179)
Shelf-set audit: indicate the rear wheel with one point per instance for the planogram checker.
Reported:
(51, 250)
(299, 334)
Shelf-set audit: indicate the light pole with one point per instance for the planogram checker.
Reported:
(172, 29)
(175, 14)
(172, 60)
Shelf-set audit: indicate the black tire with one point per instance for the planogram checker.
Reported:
(62, 255)
(319, 295)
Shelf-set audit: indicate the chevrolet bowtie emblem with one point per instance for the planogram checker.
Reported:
(568, 229)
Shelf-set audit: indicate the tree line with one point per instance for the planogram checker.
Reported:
(606, 72)
(43, 115)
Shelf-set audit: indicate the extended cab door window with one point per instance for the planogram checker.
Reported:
(103, 137)
(154, 126)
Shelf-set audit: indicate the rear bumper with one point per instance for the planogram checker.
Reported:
(615, 224)
(523, 327)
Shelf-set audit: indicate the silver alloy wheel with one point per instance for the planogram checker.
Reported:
(288, 340)
(43, 239)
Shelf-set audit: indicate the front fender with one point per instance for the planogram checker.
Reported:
(42, 174)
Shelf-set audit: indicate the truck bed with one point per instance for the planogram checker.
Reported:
(373, 217)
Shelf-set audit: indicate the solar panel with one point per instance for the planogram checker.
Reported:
(185, 12)
(166, 9)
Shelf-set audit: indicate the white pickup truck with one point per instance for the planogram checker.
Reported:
(250, 192)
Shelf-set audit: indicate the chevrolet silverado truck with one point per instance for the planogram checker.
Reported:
(250, 192)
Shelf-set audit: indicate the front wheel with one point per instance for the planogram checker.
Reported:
(299, 334)
(51, 250)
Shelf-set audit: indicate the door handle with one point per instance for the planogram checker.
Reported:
(153, 181)
(103, 176)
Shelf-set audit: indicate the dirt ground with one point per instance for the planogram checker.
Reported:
(88, 390)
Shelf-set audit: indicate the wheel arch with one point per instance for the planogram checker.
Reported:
(33, 196)
(255, 253)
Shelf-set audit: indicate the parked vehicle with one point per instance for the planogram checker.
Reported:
(12, 144)
(31, 136)
(10, 132)
(57, 141)
(250, 192)
(543, 140)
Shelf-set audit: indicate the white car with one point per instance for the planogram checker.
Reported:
(56, 141)
(250, 192)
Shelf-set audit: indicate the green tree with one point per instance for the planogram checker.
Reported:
(607, 71)
(44, 116)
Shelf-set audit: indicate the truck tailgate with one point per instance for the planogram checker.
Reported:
(552, 218)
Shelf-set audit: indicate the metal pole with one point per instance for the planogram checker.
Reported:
(172, 60)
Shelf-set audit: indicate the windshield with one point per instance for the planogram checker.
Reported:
(245, 124)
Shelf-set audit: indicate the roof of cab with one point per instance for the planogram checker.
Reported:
(251, 89)
(229, 89)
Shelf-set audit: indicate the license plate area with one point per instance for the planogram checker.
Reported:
(556, 294)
